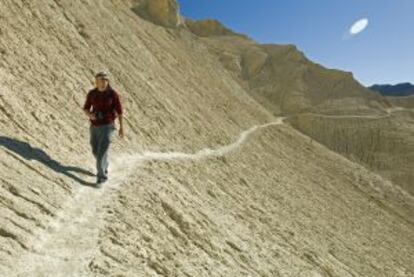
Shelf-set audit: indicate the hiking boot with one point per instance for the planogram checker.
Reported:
(100, 181)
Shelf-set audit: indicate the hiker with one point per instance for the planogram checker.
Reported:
(102, 107)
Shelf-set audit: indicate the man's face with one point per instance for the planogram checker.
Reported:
(101, 84)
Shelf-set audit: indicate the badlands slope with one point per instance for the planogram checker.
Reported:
(207, 182)
(370, 129)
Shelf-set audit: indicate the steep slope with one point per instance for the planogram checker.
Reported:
(403, 102)
(285, 82)
(383, 143)
(175, 96)
(207, 181)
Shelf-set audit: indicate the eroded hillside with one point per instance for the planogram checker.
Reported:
(323, 102)
(207, 182)
(281, 78)
(383, 143)
(403, 102)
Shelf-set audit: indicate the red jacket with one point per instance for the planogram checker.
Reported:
(105, 105)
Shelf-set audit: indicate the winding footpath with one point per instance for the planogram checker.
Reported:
(70, 240)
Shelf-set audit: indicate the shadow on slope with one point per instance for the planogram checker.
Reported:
(26, 151)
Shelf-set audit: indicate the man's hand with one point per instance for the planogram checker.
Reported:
(121, 126)
(91, 116)
(121, 132)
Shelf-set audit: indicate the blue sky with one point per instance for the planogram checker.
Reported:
(382, 53)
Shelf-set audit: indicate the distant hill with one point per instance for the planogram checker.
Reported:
(280, 77)
(403, 89)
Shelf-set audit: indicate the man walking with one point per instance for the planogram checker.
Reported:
(102, 107)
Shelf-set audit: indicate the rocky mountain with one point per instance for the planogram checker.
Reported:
(328, 105)
(209, 27)
(209, 180)
(281, 78)
(160, 12)
(403, 89)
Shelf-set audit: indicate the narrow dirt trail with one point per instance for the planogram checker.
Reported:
(388, 114)
(352, 116)
(70, 240)
(398, 109)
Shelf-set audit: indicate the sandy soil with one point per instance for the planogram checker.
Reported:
(206, 183)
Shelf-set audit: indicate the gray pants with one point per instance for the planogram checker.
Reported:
(100, 139)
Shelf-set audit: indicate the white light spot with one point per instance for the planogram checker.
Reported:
(358, 26)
